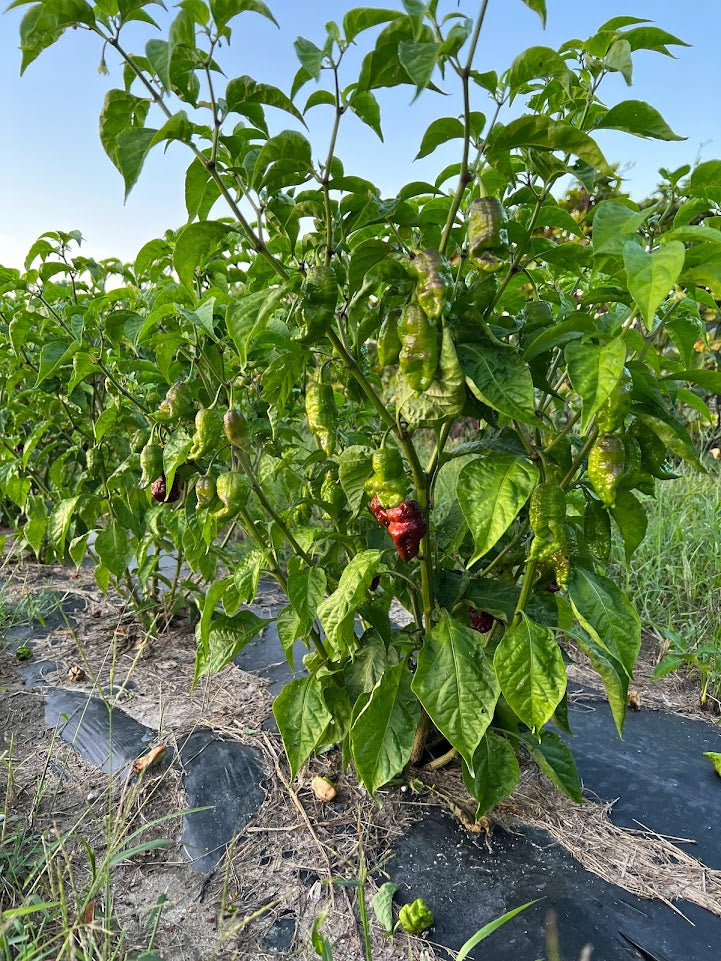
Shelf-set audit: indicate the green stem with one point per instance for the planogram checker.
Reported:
(326, 169)
(580, 457)
(526, 588)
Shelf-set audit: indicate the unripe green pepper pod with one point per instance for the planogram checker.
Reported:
(388, 482)
(389, 342)
(232, 489)
(321, 297)
(433, 281)
(205, 490)
(487, 233)
(613, 412)
(151, 463)
(208, 431)
(236, 430)
(606, 462)
(332, 493)
(416, 917)
(537, 313)
(178, 404)
(546, 515)
(418, 358)
(322, 415)
(597, 530)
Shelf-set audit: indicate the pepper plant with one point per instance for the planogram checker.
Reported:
(444, 402)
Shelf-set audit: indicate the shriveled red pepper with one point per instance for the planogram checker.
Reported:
(407, 527)
(159, 490)
(481, 621)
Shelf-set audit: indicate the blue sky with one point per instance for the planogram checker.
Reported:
(55, 175)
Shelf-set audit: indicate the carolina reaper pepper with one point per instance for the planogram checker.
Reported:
(407, 526)
(606, 462)
(546, 515)
(321, 297)
(205, 490)
(481, 621)
(387, 484)
(597, 530)
(321, 413)
(487, 233)
(418, 358)
(232, 489)
(612, 413)
(416, 917)
(235, 427)
(178, 403)
(160, 492)
(433, 281)
(389, 342)
(151, 463)
(208, 431)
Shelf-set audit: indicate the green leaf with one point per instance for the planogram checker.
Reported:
(246, 575)
(715, 758)
(651, 276)
(488, 929)
(630, 515)
(194, 246)
(544, 133)
(226, 638)
(363, 258)
(491, 491)
(445, 396)
(418, 60)
(554, 758)
(302, 717)
(610, 670)
(619, 59)
(383, 732)
(710, 380)
(282, 375)
(613, 224)
(59, 522)
(500, 379)
(337, 612)
(531, 672)
(363, 18)
(53, 355)
(306, 587)
(113, 547)
(594, 372)
(246, 317)
(287, 624)
(175, 453)
(365, 106)
(539, 7)
(495, 772)
(354, 469)
(638, 118)
(242, 91)
(177, 127)
(534, 63)
(310, 56)
(674, 435)
(607, 614)
(456, 684)
(439, 132)
(382, 904)
(224, 11)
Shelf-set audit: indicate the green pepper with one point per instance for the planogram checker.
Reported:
(389, 343)
(322, 415)
(321, 296)
(653, 452)
(388, 482)
(606, 462)
(612, 413)
(537, 313)
(546, 515)
(205, 490)
(487, 233)
(418, 358)
(632, 472)
(178, 404)
(433, 281)
(232, 489)
(332, 494)
(151, 463)
(597, 530)
(416, 917)
(208, 431)
(236, 429)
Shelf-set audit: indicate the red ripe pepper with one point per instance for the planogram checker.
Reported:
(407, 527)
(481, 621)
(159, 490)
(378, 511)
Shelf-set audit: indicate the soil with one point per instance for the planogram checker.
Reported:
(295, 858)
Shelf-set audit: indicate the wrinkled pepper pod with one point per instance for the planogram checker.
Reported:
(236, 430)
(378, 511)
(433, 281)
(160, 492)
(606, 462)
(232, 489)
(613, 412)
(546, 515)
(178, 404)
(205, 490)
(407, 527)
(322, 415)
(389, 341)
(151, 463)
(208, 432)
(321, 296)
(332, 493)
(537, 313)
(416, 917)
(632, 472)
(597, 530)
(487, 233)
(418, 358)
(387, 483)
(481, 621)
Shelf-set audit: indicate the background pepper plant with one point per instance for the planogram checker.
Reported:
(450, 399)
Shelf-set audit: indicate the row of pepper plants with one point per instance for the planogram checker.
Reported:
(453, 398)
